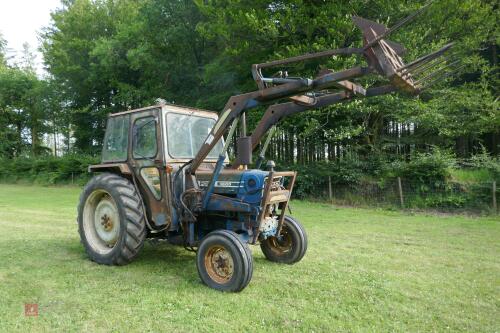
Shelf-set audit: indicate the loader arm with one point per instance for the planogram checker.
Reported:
(276, 112)
(239, 104)
(291, 95)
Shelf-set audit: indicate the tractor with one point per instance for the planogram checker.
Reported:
(165, 173)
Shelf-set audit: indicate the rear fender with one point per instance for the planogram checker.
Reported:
(121, 168)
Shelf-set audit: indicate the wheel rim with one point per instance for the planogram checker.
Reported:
(219, 264)
(101, 221)
(283, 243)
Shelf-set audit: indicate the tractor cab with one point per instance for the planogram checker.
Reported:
(149, 145)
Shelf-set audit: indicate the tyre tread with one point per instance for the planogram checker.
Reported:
(243, 252)
(129, 202)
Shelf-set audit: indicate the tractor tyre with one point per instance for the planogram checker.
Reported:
(291, 245)
(111, 220)
(224, 262)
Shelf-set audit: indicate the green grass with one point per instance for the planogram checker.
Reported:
(365, 270)
(471, 175)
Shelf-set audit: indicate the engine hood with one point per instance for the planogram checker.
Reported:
(247, 185)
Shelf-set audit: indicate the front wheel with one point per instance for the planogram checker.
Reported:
(224, 262)
(290, 246)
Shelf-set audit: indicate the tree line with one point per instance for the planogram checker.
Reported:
(106, 56)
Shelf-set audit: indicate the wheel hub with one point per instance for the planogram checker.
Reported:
(219, 264)
(106, 221)
(282, 243)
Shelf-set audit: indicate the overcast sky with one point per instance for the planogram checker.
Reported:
(21, 20)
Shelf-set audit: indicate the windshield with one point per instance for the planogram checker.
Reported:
(115, 144)
(187, 133)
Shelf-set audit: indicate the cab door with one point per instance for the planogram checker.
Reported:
(148, 162)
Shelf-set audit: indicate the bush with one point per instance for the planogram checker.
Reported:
(425, 168)
(47, 170)
(487, 162)
(310, 178)
(470, 175)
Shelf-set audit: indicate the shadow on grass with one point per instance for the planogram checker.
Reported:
(167, 254)
(65, 259)
(170, 258)
(66, 256)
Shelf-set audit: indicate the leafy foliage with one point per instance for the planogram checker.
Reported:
(425, 167)
(485, 161)
(108, 56)
(47, 170)
(114, 55)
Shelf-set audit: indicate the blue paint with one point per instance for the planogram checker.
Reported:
(244, 237)
(215, 176)
(175, 221)
(220, 203)
(251, 103)
(237, 196)
(249, 191)
(252, 186)
(191, 233)
(268, 233)
(160, 219)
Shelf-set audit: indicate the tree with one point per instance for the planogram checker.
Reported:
(109, 56)
(28, 59)
(21, 104)
(3, 46)
(266, 30)
(69, 47)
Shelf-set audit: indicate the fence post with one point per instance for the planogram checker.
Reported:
(330, 189)
(494, 196)
(72, 178)
(400, 190)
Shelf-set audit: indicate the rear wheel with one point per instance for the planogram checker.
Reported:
(290, 246)
(111, 220)
(224, 262)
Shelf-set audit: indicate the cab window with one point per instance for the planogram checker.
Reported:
(187, 133)
(116, 139)
(145, 144)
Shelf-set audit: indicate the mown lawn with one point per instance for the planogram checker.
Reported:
(365, 270)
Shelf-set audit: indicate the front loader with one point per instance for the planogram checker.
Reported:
(165, 171)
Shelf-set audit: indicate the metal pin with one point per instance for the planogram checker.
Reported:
(398, 25)
(440, 78)
(436, 72)
(425, 59)
(426, 66)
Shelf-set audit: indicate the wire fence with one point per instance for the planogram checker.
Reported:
(403, 193)
(471, 196)
(445, 196)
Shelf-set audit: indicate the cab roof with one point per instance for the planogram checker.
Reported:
(160, 106)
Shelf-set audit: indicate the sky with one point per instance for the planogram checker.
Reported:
(20, 22)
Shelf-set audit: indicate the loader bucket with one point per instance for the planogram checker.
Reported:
(385, 56)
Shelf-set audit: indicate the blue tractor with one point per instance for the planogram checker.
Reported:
(165, 171)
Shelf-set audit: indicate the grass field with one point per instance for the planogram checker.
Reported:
(365, 270)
